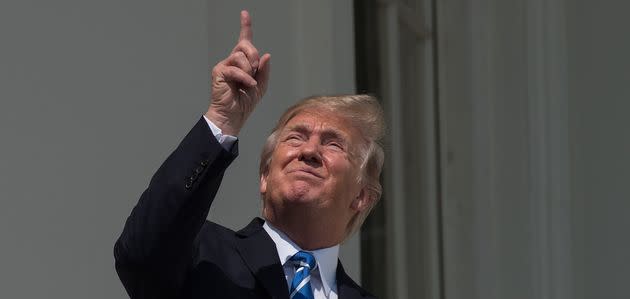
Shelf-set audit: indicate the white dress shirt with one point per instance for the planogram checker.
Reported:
(324, 277)
(225, 140)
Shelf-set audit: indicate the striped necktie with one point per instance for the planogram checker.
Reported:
(304, 263)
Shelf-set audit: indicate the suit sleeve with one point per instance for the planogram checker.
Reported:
(154, 252)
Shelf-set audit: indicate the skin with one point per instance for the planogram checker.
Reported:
(310, 191)
(238, 82)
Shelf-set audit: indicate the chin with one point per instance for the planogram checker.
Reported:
(300, 193)
(298, 196)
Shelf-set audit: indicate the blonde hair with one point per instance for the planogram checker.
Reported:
(364, 113)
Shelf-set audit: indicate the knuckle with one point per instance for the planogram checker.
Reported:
(253, 52)
(216, 70)
(248, 47)
(231, 70)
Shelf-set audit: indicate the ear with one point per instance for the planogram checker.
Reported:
(362, 201)
(263, 183)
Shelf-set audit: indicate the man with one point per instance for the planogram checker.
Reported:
(319, 178)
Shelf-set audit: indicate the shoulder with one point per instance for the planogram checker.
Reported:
(215, 241)
(211, 233)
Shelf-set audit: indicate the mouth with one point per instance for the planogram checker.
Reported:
(306, 171)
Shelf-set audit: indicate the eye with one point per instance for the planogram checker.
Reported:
(335, 144)
(293, 139)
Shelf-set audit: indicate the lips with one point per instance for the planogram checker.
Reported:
(307, 171)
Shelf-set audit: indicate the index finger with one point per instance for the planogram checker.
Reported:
(246, 27)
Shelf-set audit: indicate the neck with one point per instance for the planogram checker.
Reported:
(306, 230)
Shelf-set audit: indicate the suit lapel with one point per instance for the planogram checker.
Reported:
(346, 287)
(260, 254)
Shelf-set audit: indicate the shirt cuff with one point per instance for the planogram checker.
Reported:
(225, 140)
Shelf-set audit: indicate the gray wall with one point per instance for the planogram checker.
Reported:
(95, 94)
(599, 73)
(534, 118)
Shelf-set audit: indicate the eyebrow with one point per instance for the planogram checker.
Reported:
(328, 133)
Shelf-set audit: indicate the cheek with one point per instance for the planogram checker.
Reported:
(282, 156)
(341, 161)
(344, 172)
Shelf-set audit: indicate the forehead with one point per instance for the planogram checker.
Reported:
(326, 121)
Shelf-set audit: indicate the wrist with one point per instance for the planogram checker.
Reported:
(222, 122)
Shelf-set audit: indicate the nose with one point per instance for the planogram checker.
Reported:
(310, 153)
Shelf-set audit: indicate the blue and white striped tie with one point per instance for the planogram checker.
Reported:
(304, 263)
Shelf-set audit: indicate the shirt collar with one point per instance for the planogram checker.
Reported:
(326, 257)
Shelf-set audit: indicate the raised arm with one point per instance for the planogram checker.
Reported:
(155, 250)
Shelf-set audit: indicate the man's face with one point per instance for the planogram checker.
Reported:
(315, 166)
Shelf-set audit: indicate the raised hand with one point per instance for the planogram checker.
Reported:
(238, 82)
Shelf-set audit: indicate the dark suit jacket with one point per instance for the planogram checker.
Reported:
(169, 250)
